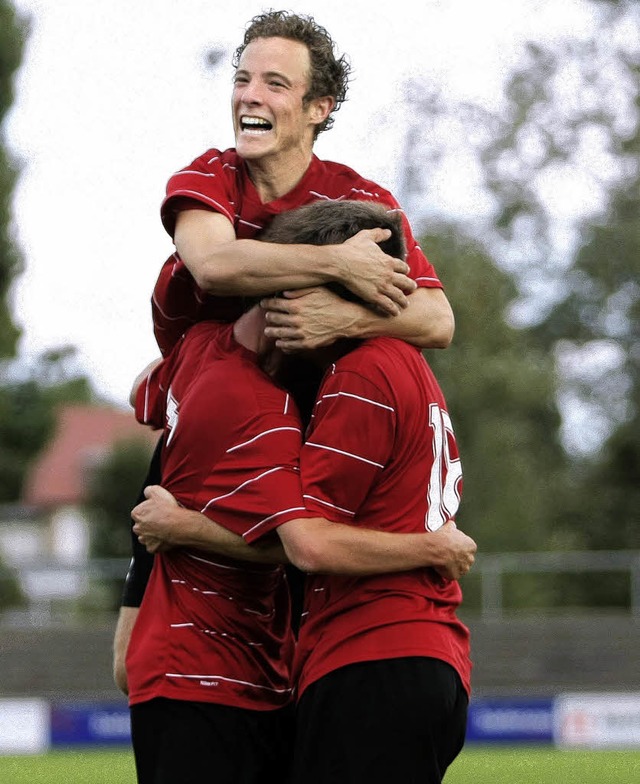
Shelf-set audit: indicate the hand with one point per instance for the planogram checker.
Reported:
(458, 551)
(307, 319)
(152, 519)
(373, 276)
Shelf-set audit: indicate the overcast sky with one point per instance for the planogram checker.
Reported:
(113, 97)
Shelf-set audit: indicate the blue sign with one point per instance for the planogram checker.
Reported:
(510, 720)
(90, 723)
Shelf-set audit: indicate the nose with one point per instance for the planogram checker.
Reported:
(250, 93)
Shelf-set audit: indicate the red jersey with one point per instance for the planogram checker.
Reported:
(211, 629)
(381, 420)
(219, 180)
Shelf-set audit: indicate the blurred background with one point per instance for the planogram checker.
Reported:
(510, 132)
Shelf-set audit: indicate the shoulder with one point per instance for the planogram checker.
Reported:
(393, 367)
(341, 181)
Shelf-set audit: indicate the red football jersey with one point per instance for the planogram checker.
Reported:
(212, 629)
(381, 420)
(220, 182)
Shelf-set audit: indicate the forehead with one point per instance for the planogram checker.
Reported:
(276, 55)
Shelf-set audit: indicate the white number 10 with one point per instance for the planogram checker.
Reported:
(443, 495)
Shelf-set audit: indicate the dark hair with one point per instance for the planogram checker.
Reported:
(329, 74)
(333, 222)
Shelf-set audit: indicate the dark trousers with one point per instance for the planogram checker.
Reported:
(394, 720)
(176, 742)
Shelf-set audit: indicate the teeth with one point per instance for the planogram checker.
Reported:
(255, 122)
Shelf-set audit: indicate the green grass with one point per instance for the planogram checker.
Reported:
(70, 767)
(475, 765)
(546, 765)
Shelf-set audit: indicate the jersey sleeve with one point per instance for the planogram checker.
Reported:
(201, 181)
(349, 443)
(254, 484)
(420, 268)
(151, 395)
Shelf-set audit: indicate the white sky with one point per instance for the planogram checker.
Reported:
(114, 97)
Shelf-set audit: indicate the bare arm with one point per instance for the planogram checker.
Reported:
(161, 523)
(311, 318)
(314, 545)
(124, 627)
(322, 547)
(224, 265)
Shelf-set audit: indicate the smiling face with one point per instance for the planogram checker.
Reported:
(272, 123)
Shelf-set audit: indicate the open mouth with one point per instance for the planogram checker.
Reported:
(254, 125)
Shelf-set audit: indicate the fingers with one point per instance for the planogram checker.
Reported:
(405, 284)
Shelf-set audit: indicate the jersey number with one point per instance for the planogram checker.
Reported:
(443, 495)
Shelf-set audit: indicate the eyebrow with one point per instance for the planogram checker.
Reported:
(266, 75)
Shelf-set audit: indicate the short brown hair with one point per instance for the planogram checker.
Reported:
(329, 74)
(333, 222)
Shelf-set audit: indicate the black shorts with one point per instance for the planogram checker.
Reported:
(177, 742)
(393, 720)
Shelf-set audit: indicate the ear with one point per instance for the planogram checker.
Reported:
(320, 109)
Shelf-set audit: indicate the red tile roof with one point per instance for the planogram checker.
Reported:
(83, 435)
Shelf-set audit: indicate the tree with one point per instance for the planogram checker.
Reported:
(13, 33)
(28, 404)
(500, 389)
(557, 165)
(114, 487)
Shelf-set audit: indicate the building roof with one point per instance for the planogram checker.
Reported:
(84, 435)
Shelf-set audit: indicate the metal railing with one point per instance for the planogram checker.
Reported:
(490, 570)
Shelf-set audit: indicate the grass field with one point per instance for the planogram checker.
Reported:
(475, 766)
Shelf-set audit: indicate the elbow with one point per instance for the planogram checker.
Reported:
(203, 274)
(447, 330)
(443, 326)
(305, 556)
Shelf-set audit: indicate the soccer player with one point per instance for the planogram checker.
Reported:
(382, 662)
(210, 654)
(288, 83)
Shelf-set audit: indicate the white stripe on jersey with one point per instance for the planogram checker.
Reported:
(239, 487)
(194, 171)
(265, 433)
(229, 567)
(248, 223)
(268, 519)
(326, 503)
(346, 454)
(356, 397)
(226, 680)
(202, 197)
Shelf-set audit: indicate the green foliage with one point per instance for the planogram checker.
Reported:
(13, 33)
(113, 492)
(114, 488)
(27, 414)
(501, 394)
(11, 595)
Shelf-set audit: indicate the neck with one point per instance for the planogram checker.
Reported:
(248, 331)
(273, 179)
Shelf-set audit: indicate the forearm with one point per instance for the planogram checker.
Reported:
(253, 268)
(126, 621)
(182, 527)
(427, 322)
(319, 546)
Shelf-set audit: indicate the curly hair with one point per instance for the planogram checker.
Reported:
(329, 73)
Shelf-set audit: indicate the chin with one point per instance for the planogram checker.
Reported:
(252, 149)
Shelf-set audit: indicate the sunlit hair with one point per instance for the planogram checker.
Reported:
(329, 74)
